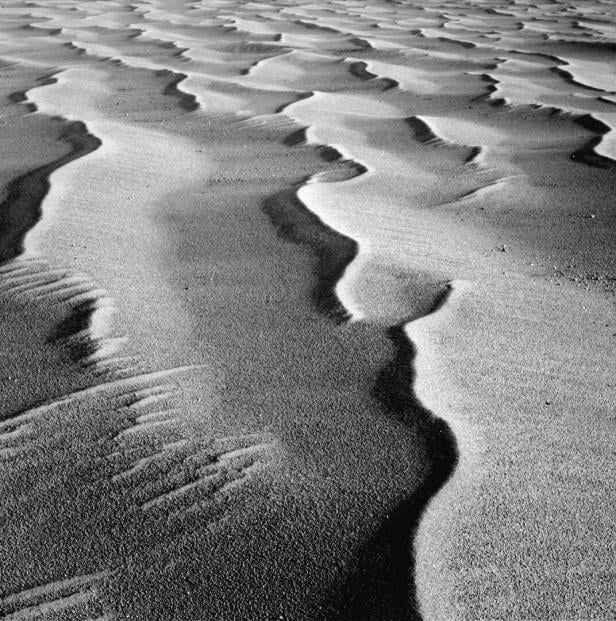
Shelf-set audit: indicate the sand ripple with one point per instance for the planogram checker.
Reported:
(201, 417)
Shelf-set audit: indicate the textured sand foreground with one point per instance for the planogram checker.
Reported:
(307, 310)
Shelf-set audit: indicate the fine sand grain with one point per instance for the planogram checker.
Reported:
(307, 311)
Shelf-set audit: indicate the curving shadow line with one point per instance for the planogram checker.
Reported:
(186, 101)
(587, 154)
(21, 209)
(294, 222)
(381, 584)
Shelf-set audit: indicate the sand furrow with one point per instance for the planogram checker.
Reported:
(76, 597)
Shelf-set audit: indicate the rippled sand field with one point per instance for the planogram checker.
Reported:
(307, 310)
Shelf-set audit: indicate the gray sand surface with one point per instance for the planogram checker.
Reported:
(307, 311)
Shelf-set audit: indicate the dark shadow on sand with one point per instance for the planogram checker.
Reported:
(333, 251)
(587, 154)
(21, 209)
(380, 586)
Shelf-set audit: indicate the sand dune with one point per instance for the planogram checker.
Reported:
(307, 310)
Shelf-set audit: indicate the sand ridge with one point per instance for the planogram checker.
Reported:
(211, 432)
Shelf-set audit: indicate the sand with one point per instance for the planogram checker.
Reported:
(307, 310)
